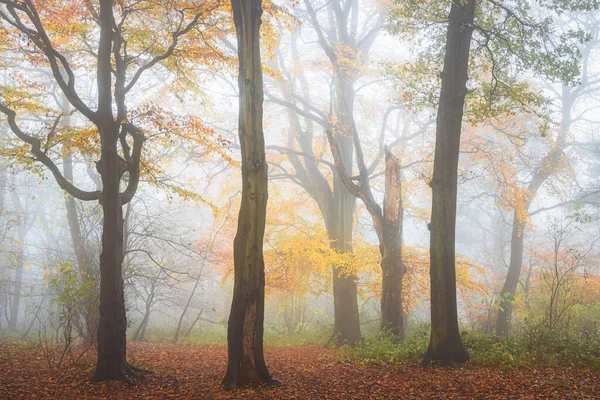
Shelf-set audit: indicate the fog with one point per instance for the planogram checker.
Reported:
(369, 84)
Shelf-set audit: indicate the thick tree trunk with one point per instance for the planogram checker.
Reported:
(246, 361)
(336, 205)
(112, 327)
(346, 327)
(392, 268)
(445, 345)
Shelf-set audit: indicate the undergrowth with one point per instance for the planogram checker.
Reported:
(531, 347)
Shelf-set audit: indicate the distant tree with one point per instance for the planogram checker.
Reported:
(570, 97)
(346, 44)
(245, 330)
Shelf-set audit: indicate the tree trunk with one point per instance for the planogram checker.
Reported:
(246, 361)
(543, 172)
(445, 345)
(187, 305)
(140, 332)
(346, 326)
(15, 303)
(112, 348)
(17, 284)
(198, 316)
(509, 289)
(392, 268)
(84, 261)
(336, 206)
(112, 327)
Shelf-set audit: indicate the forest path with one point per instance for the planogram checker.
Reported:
(308, 372)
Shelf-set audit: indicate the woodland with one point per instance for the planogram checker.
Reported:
(300, 199)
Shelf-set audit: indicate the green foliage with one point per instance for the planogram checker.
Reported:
(531, 347)
(217, 336)
(509, 40)
(71, 294)
(383, 348)
(316, 335)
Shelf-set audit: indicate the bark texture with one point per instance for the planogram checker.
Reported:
(246, 361)
(392, 267)
(112, 327)
(445, 345)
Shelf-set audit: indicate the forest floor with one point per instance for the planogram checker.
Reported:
(307, 372)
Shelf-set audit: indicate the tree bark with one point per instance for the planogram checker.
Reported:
(246, 361)
(339, 223)
(392, 268)
(112, 327)
(445, 345)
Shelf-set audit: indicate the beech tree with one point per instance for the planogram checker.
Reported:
(488, 42)
(120, 60)
(569, 97)
(245, 357)
(346, 44)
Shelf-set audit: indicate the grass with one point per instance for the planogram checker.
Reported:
(532, 347)
(217, 336)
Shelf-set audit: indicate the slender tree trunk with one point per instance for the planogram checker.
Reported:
(140, 332)
(445, 345)
(187, 305)
(246, 361)
(15, 304)
(84, 261)
(392, 268)
(198, 316)
(543, 172)
(509, 289)
(17, 284)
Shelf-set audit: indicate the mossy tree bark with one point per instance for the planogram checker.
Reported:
(445, 345)
(246, 361)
